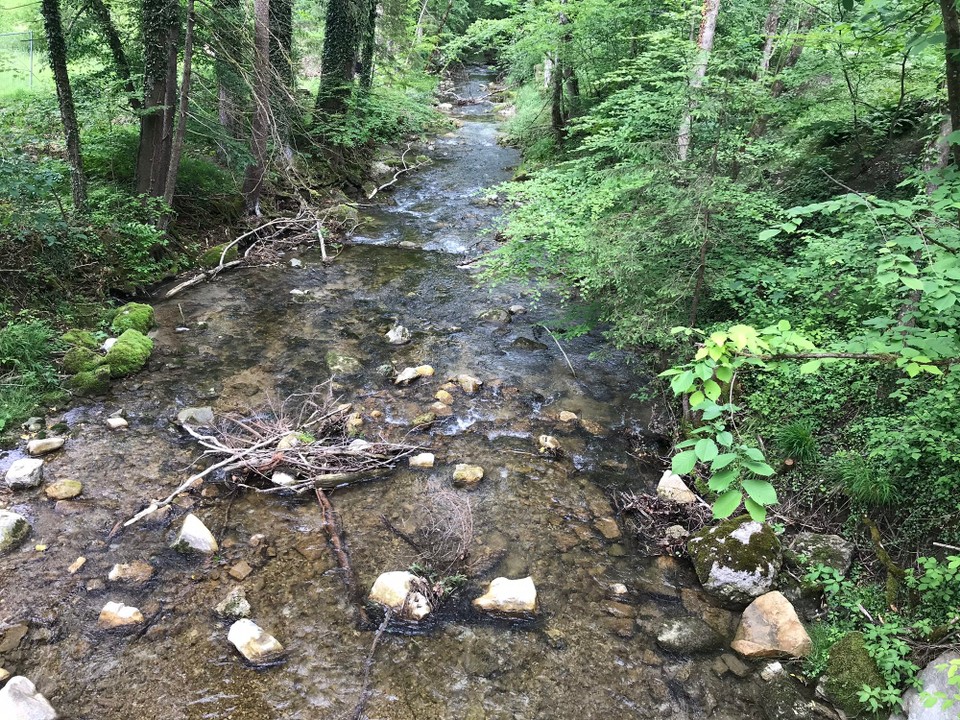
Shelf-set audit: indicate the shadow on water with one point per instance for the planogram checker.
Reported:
(272, 329)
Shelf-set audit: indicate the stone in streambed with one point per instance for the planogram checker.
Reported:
(770, 628)
(117, 615)
(115, 423)
(444, 397)
(467, 475)
(196, 416)
(64, 489)
(408, 375)
(689, 636)
(509, 598)
(194, 537)
(423, 460)
(608, 528)
(14, 529)
(469, 384)
(398, 335)
(672, 488)
(397, 591)
(44, 446)
(234, 605)
(254, 643)
(439, 409)
(25, 473)
(566, 416)
(136, 572)
(19, 700)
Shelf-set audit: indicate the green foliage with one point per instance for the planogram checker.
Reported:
(796, 440)
(861, 480)
(27, 372)
(138, 316)
(129, 353)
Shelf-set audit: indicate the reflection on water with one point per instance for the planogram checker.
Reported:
(250, 334)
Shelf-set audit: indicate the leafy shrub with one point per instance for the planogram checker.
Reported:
(795, 440)
(27, 372)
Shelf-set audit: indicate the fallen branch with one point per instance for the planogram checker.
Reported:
(398, 173)
(561, 350)
(339, 548)
(368, 666)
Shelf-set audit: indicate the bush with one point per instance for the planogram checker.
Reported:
(27, 372)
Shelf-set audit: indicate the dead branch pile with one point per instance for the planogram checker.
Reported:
(650, 516)
(305, 437)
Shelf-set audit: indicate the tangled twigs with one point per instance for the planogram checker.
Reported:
(331, 526)
(357, 713)
(652, 515)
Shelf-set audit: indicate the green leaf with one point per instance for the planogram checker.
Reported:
(783, 325)
(682, 382)
(760, 491)
(724, 373)
(725, 438)
(754, 454)
(808, 368)
(760, 468)
(696, 399)
(712, 411)
(912, 283)
(757, 512)
(722, 460)
(711, 390)
(726, 504)
(769, 234)
(720, 481)
(706, 449)
(684, 462)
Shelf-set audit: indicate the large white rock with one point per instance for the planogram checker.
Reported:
(933, 680)
(44, 446)
(195, 537)
(408, 375)
(14, 529)
(509, 597)
(770, 628)
(116, 615)
(19, 700)
(672, 488)
(398, 335)
(254, 643)
(397, 591)
(25, 473)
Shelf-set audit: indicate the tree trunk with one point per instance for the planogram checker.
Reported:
(770, 26)
(102, 14)
(796, 50)
(708, 28)
(57, 49)
(229, 57)
(176, 150)
(161, 31)
(556, 101)
(281, 41)
(951, 29)
(257, 169)
(339, 59)
(368, 45)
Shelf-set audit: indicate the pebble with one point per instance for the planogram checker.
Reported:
(408, 375)
(44, 446)
(423, 460)
(116, 615)
(467, 475)
(241, 570)
(195, 537)
(549, 445)
(64, 489)
(115, 423)
(234, 605)
(4, 674)
(509, 597)
(254, 643)
(608, 528)
(469, 384)
(567, 416)
(25, 473)
(76, 565)
(440, 409)
(444, 397)
(136, 572)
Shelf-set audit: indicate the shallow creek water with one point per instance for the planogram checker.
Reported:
(249, 335)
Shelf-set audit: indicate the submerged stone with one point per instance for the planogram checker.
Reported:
(194, 537)
(136, 572)
(398, 335)
(45, 445)
(254, 643)
(64, 489)
(117, 615)
(467, 475)
(196, 416)
(506, 597)
(19, 700)
(25, 473)
(689, 636)
(343, 364)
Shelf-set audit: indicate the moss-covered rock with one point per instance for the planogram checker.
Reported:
(343, 215)
(91, 382)
(849, 668)
(737, 560)
(80, 338)
(129, 353)
(211, 258)
(133, 316)
(81, 359)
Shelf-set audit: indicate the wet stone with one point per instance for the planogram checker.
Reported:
(76, 565)
(440, 409)
(423, 460)
(241, 570)
(117, 615)
(444, 397)
(14, 529)
(196, 416)
(467, 475)
(12, 637)
(194, 537)
(566, 416)
(621, 627)
(19, 700)
(64, 489)
(137, 572)
(255, 644)
(44, 446)
(619, 609)
(25, 473)
(608, 528)
(115, 423)
(234, 605)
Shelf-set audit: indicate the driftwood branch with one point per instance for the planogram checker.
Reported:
(569, 365)
(396, 176)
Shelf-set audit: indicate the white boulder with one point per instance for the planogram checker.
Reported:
(14, 529)
(672, 488)
(19, 700)
(509, 597)
(194, 537)
(397, 591)
(254, 643)
(25, 473)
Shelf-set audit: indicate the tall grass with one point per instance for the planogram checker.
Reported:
(27, 372)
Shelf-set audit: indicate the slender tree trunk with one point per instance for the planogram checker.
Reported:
(176, 150)
(161, 31)
(557, 122)
(368, 45)
(770, 26)
(257, 169)
(708, 29)
(440, 28)
(281, 41)
(796, 50)
(229, 57)
(339, 59)
(951, 29)
(122, 66)
(57, 49)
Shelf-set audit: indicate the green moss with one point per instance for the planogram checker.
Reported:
(849, 668)
(723, 545)
(80, 338)
(344, 215)
(81, 359)
(91, 382)
(211, 258)
(133, 316)
(129, 353)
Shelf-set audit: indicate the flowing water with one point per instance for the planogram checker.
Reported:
(269, 330)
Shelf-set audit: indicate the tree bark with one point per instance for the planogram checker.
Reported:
(796, 50)
(770, 26)
(281, 41)
(339, 59)
(161, 31)
(257, 169)
(951, 29)
(176, 150)
(708, 29)
(368, 45)
(57, 49)
(122, 66)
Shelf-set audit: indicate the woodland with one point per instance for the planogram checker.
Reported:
(759, 199)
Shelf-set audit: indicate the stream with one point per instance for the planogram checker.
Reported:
(270, 331)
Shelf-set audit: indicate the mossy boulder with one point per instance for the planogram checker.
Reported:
(133, 316)
(81, 359)
(91, 382)
(343, 215)
(343, 364)
(129, 353)
(849, 668)
(737, 560)
(211, 258)
(80, 338)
